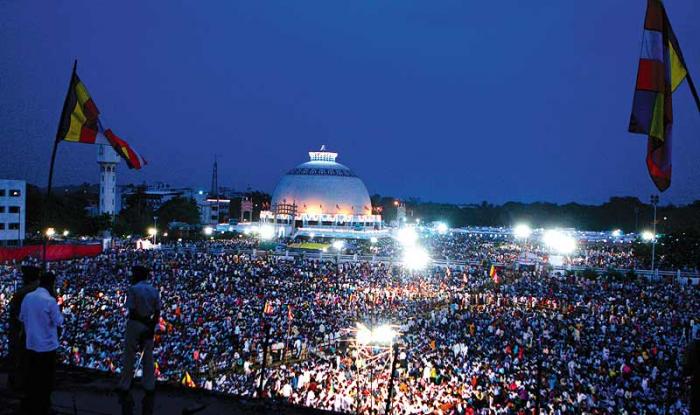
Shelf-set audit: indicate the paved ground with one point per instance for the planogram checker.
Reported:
(90, 393)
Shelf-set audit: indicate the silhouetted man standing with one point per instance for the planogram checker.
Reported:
(42, 319)
(17, 337)
(143, 302)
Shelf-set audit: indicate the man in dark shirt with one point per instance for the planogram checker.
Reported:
(18, 348)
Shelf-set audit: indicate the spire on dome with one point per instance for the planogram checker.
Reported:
(322, 155)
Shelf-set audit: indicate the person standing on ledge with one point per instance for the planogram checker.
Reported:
(143, 303)
(17, 335)
(42, 320)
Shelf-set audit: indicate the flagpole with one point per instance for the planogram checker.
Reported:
(693, 91)
(53, 162)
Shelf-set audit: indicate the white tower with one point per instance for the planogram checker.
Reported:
(107, 158)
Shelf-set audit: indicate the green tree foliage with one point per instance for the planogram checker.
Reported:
(178, 209)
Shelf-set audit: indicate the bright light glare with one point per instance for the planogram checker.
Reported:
(522, 231)
(383, 334)
(648, 235)
(363, 335)
(312, 235)
(267, 232)
(152, 231)
(208, 230)
(338, 245)
(66, 233)
(407, 236)
(559, 242)
(415, 257)
(373, 240)
(50, 232)
(617, 233)
(441, 228)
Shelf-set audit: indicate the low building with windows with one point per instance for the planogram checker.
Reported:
(12, 212)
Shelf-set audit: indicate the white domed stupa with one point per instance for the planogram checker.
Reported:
(324, 198)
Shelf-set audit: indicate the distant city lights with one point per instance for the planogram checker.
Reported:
(522, 231)
(559, 242)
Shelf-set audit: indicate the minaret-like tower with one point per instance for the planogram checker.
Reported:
(107, 158)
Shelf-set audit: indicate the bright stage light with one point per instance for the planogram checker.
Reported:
(648, 236)
(442, 228)
(407, 236)
(380, 335)
(267, 232)
(208, 230)
(522, 231)
(415, 257)
(338, 245)
(559, 242)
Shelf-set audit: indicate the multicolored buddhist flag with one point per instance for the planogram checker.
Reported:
(80, 123)
(268, 309)
(493, 273)
(661, 70)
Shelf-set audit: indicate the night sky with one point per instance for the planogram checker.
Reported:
(454, 101)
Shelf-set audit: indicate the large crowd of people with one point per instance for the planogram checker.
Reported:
(466, 343)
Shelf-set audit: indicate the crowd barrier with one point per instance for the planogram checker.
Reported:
(53, 252)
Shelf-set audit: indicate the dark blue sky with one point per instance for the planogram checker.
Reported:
(457, 101)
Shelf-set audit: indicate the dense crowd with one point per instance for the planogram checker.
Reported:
(466, 346)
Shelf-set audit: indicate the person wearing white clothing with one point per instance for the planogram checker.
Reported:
(42, 318)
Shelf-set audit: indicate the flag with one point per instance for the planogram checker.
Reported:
(80, 123)
(290, 312)
(131, 157)
(267, 309)
(661, 70)
(79, 118)
(187, 381)
(493, 273)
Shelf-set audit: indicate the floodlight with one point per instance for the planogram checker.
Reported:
(208, 230)
(267, 232)
(559, 242)
(152, 231)
(50, 232)
(338, 245)
(648, 235)
(407, 236)
(312, 235)
(415, 257)
(442, 228)
(66, 233)
(373, 240)
(383, 334)
(522, 231)
(617, 233)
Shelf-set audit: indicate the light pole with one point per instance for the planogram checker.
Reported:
(155, 226)
(654, 202)
(395, 352)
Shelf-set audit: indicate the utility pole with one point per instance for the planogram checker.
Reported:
(654, 202)
(390, 392)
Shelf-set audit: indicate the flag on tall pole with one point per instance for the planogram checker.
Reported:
(80, 123)
(661, 70)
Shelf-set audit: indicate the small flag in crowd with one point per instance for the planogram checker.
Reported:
(80, 123)
(187, 381)
(290, 312)
(493, 273)
(661, 70)
(268, 309)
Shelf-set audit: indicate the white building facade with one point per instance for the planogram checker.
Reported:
(12, 212)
